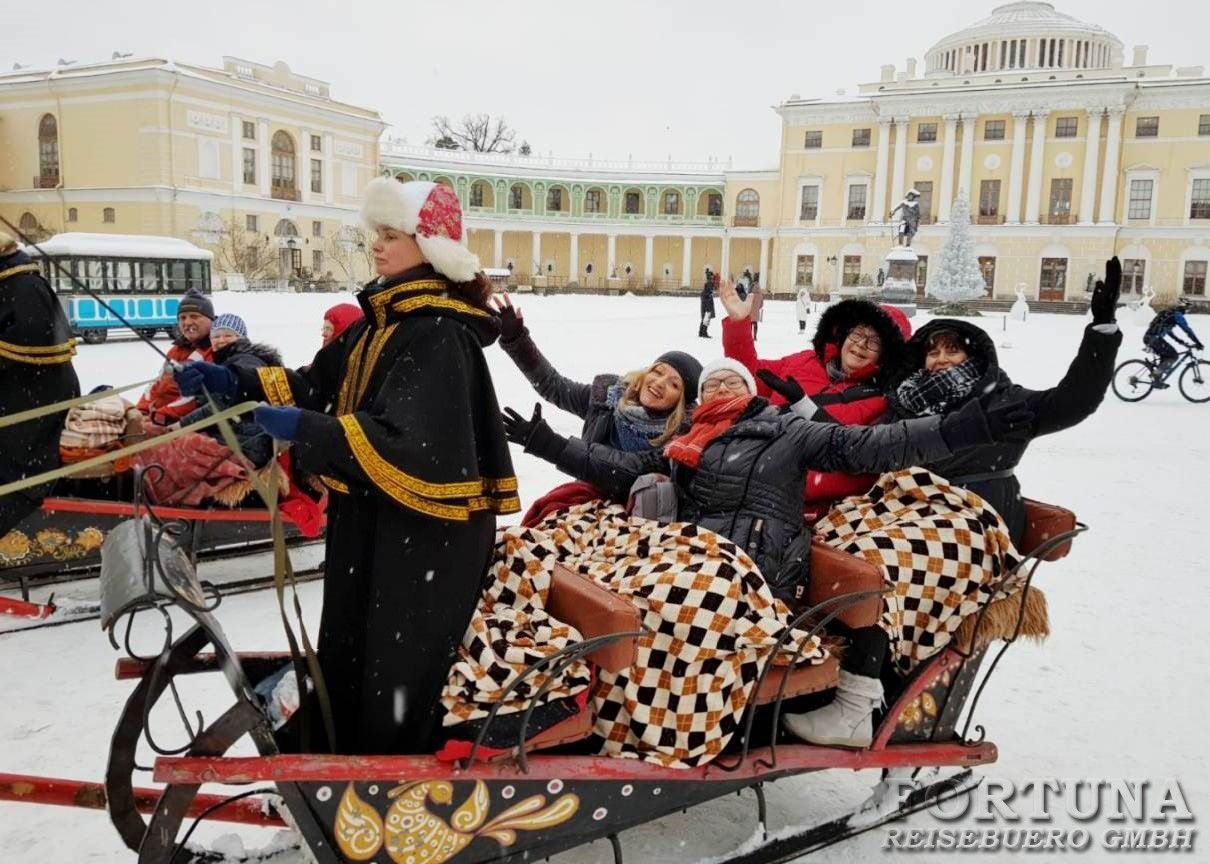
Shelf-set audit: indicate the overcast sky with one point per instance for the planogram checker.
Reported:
(690, 78)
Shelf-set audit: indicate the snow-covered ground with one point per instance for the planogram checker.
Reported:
(1117, 692)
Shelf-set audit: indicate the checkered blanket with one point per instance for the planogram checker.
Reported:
(945, 551)
(711, 617)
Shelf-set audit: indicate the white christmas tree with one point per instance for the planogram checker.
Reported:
(956, 276)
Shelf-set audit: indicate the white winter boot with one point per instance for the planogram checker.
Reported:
(846, 721)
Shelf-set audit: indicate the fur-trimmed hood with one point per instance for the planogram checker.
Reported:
(978, 344)
(838, 319)
(233, 353)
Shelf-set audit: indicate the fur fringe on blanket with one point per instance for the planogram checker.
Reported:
(1001, 620)
(234, 495)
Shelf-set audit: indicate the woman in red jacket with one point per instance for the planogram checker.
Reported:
(854, 341)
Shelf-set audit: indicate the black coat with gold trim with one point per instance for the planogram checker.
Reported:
(35, 369)
(402, 423)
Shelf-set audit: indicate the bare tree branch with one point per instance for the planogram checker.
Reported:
(249, 252)
(477, 132)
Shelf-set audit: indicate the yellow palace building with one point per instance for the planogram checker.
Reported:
(1068, 150)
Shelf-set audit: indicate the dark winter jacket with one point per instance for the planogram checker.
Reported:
(1165, 324)
(415, 454)
(1069, 402)
(706, 307)
(852, 400)
(589, 402)
(256, 445)
(35, 369)
(749, 485)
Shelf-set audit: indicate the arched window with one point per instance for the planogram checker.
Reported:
(747, 207)
(48, 152)
(556, 199)
(283, 167)
(285, 228)
(594, 200)
(518, 197)
(672, 203)
(714, 204)
(633, 202)
(28, 223)
(481, 194)
(73, 215)
(403, 177)
(109, 215)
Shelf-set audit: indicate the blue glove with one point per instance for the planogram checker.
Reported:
(192, 377)
(281, 423)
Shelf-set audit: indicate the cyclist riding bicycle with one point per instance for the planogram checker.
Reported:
(1162, 333)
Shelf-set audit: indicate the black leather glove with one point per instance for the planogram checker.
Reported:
(533, 434)
(1105, 295)
(787, 387)
(972, 425)
(512, 327)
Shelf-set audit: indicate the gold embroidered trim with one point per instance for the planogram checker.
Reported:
(20, 268)
(334, 484)
(377, 344)
(502, 484)
(276, 385)
(412, 303)
(39, 355)
(351, 370)
(383, 298)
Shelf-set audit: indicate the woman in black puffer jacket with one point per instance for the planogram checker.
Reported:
(951, 362)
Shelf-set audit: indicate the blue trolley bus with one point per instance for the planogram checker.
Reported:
(141, 277)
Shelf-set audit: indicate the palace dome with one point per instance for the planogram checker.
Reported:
(1024, 35)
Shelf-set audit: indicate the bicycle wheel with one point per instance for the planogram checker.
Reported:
(1132, 380)
(1195, 381)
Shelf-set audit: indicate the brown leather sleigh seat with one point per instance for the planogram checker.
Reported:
(1043, 521)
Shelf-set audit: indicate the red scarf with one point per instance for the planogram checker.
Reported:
(709, 421)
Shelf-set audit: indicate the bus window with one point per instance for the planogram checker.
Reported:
(176, 276)
(149, 276)
(94, 274)
(121, 275)
(195, 277)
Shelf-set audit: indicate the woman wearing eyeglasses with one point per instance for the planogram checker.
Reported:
(841, 374)
(738, 470)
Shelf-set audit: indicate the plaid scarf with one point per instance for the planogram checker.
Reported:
(634, 426)
(927, 393)
(710, 420)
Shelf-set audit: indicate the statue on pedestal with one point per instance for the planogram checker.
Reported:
(909, 210)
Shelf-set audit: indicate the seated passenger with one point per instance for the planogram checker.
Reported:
(162, 404)
(231, 349)
(738, 470)
(843, 374)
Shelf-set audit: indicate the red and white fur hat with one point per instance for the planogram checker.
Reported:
(431, 213)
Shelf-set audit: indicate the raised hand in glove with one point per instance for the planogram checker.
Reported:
(280, 423)
(788, 388)
(193, 376)
(972, 425)
(1105, 295)
(512, 323)
(533, 434)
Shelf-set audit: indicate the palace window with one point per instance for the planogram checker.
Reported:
(1203, 124)
(804, 270)
(1139, 206)
(747, 207)
(987, 266)
(672, 203)
(476, 195)
(856, 201)
(1146, 127)
(813, 139)
(249, 130)
(48, 152)
(993, 130)
(809, 209)
(317, 261)
(283, 162)
(861, 137)
(592, 201)
(989, 199)
(633, 203)
(317, 144)
(317, 175)
(851, 271)
(926, 132)
(250, 223)
(1067, 127)
(554, 199)
(250, 166)
(1060, 199)
(714, 204)
(108, 215)
(1199, 199)
(1133, 272)
(925, 188)
(317, 229)
(1054, 274)
(1195, 278)
(516, 197)
(73, 215)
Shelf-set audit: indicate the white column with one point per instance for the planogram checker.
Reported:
(1015, 179)
(498, 248)
(329, 192)
(686, 260)
(1092, 149)
(968, 157)
(611, 246)
(1109, 175)
(648, 255)
(726, 262)
(947, 167)
(304, 167)
(1033, 197)
(262, 156)
(574, 242)
(536, 251)
(763, 262)
(237, 154)
(879, 211)
(897, 181)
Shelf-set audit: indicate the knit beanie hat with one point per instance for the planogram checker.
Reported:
(234, 323)
(431, 213)
(729, 365)
(196, 301)
(686, 365)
